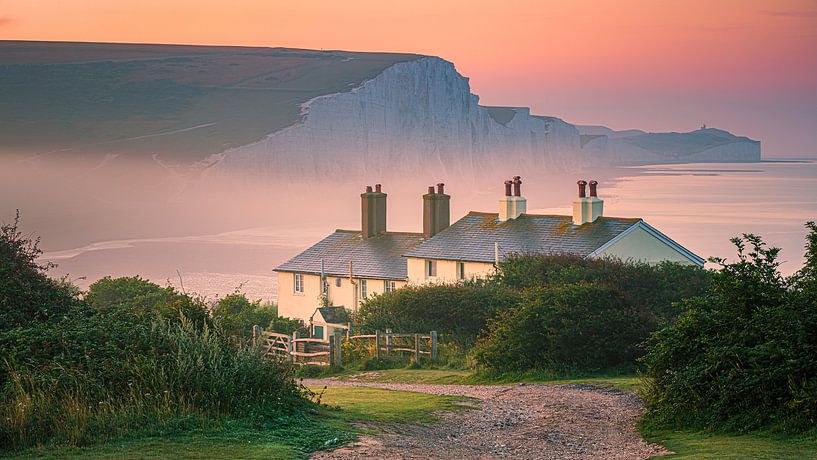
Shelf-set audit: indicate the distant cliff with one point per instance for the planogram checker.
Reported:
(286, 113)
(420, 116)
(639, 147)
(414, 117)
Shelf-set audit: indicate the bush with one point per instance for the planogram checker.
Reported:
(655, 287)
(744, 355)
(456, 311)
(26, 293)
(138, 296)
(562, 328)
(186, 372)
(236, 315)
(126, 360)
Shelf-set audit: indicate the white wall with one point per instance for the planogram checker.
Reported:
(642, 246)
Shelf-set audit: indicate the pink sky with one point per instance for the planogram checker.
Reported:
(744, 65)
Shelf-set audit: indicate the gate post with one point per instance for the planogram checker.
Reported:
(377, 344)
(417, 348)
(388, 341)
(289, 349)
(331, 351)
(433, 345)
(294, 346)
(339, 348)
(255, 334)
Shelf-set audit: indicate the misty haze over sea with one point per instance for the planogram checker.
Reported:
(215, 240)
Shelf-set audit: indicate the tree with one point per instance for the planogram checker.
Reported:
(138, 296)
(26, 292)
(744, 355)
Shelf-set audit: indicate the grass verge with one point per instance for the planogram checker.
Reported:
(757, 445)
(283, 439)
(626, 382)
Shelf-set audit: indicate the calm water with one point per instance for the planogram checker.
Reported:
(699, 205)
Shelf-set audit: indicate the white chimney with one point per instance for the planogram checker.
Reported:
(513, 204)
(587, 209)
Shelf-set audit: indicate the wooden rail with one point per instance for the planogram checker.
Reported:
(282, 346)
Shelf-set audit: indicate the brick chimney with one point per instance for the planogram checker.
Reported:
(436, 211)
(373, 211)
(513, 204)
(587, 209)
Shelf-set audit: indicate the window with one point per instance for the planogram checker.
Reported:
(299, 283)
(337, 281)
(431, 268)
(363, 290)
(461, 270)
(388, 286)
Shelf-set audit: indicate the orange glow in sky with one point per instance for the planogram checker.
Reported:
(744, 65)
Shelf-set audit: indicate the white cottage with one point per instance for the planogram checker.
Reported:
(356, 264)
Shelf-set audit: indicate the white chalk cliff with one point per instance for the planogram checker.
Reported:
(420, 116)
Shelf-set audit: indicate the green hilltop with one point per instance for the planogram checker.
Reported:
(184, 101)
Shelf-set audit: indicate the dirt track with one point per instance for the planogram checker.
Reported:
(514, 421)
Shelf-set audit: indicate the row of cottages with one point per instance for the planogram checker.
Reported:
(350, 265)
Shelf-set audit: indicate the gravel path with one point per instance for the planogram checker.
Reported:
(513, 421)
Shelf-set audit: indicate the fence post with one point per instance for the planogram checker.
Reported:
(417, 348)
(290, 343)
(331, 351)
(377, 344)
(255, 334)
(339, 348)
(294, 346)
(433, 345)
(388, 341)
(349, 329)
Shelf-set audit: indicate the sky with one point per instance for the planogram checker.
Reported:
(747, 66)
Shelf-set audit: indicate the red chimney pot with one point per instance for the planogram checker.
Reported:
(378, 188)
(593, 185)
(430, 189)
(368, 189)
(582, 191)
(508, 185)
(517, 186)
(440, 188)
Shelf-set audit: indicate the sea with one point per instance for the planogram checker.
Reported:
(701, 206)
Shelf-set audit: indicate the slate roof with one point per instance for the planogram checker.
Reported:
(336, 315)
(472, 238)
(379, 257)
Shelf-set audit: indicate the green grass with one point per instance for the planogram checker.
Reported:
(363, 404)
(332, 425)
(758, 445)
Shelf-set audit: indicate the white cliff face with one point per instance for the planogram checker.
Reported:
(414, 117)
(419, 117)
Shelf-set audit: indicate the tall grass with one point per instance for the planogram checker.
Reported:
(190, 378)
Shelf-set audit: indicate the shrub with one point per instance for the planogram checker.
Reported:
(574, 326)
(236, 315)
(185, 372)
(138, 296)
(26, 293)
(654, 287)
(125, 360)
(744, 355)
(457, 311)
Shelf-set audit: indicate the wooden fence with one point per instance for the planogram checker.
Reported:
(329, 352)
